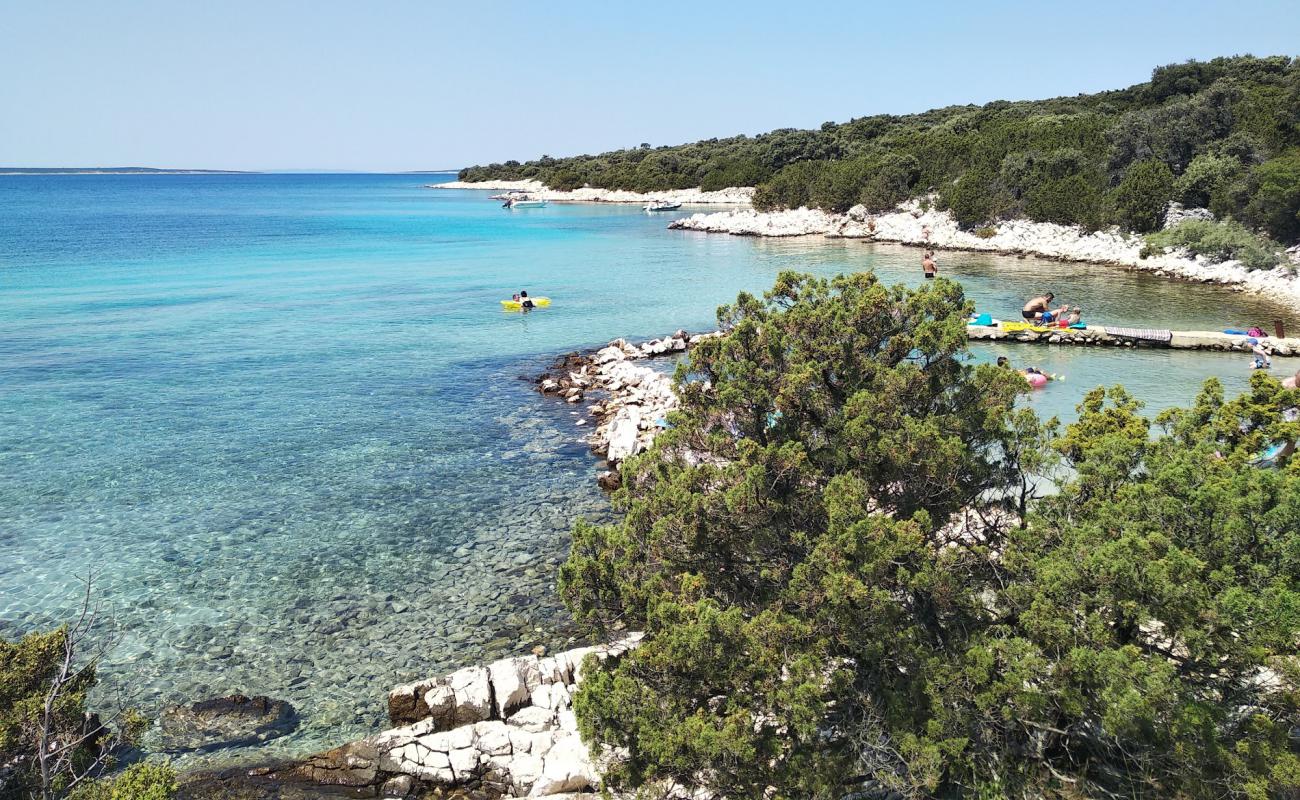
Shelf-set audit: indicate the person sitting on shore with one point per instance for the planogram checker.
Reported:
(1073, 317)
(1034, 309)
(1292, 382)
(928, 266)
(525, 301)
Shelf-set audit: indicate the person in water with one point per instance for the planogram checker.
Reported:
(1261, 358)
(928, 266)
(1292, 382)
(526, 302)
(1003, 361)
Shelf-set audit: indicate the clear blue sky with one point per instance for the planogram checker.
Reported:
(397, 84)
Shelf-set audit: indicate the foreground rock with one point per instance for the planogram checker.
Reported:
(915, 224)
(225, 722)
(502, 730)
(733, 196)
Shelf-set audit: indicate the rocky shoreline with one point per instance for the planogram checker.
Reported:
(631, 400)
(733, 196)
(921, 225)
(506, 729)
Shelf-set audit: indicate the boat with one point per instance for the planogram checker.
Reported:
(515, 305)
(523, 202)
(662, 205)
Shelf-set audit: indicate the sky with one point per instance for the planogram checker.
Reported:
(393, 85)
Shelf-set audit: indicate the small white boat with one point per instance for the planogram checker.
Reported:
(662, 205)
(524, 203)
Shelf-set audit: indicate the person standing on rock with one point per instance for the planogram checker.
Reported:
(928, 266)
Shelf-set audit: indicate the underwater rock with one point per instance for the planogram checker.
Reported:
(225, 722)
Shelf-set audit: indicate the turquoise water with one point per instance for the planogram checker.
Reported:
(278, 417)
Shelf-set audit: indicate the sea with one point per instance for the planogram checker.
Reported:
(282, 427)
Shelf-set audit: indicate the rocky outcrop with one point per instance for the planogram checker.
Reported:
(733, 196)
(502, 730)
(917, 223)
(225, 722)
(631, 400)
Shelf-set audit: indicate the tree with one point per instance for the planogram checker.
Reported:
(1274, 203)
(846, 578)
(1206, 180)
(1141, 198)
(50, 745)
(1066, 201)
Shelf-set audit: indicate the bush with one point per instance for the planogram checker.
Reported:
(143, 781)
(975, 198)
(986, 232)
(1066, 201)
(1219, 240)
(1206, 179)
(1141, 198)
(565, 180)
(1274, 204)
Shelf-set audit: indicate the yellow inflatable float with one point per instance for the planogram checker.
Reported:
(515, 305)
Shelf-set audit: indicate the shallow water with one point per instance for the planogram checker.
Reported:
(278, 417)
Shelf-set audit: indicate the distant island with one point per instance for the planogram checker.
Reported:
(117, 171)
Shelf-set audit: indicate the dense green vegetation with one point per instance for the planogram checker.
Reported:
(818, 622)
(1223, 134)
(43, 690)
(1219, 241)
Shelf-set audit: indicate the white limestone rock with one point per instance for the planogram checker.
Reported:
(566, 767)
(533, 719)
(512, 681)
(473, 694)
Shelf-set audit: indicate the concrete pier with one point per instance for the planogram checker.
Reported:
(1179, 340)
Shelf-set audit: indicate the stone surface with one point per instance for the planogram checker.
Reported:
(225, 722)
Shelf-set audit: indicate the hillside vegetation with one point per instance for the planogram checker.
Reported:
(1222, 134)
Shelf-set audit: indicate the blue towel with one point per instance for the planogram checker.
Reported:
(982, 319)
(1079, 326)
(1234, 332)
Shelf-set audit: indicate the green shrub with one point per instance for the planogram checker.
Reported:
(975, 198)
(142, 781)
(986, 232)
(565, 180)
(1220, 240)
(1067, 201)
(1274, 204)
(1141, 198)
(1206, 178)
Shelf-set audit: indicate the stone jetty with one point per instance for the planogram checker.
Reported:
(1178, 340)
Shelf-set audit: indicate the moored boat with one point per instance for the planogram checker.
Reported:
(524, 202)
(662, 205)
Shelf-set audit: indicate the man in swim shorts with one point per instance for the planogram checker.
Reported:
(1037, 307)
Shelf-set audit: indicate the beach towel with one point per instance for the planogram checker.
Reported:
(1140, 334)
(982, 319)
(1234, 332)
(1019, 327)
(1078, 326)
